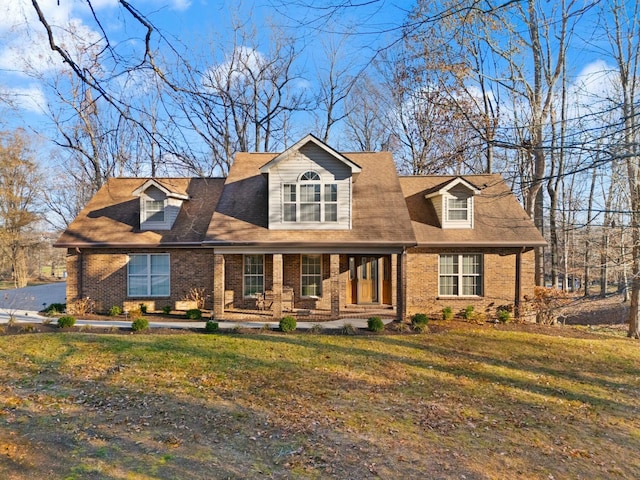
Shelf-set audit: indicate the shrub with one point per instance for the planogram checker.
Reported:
(211, 326)
(503, 315)
(115, 311)
(66, 321)
(447, 313)
(400, 327)
(547, 303)
(375, 324)
(193, 314)
(316, 328)
(82, 306)
(140, 324)
(166, 309)
(467, 313)
(143, 308)
(55, 308)
(288, 324)
(196, 295)
(348, 329)
(419, 319)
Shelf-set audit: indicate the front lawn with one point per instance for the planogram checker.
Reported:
(473, 403)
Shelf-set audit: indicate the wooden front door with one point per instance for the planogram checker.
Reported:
(364, 280)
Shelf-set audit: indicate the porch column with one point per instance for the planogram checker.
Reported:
(276, 308)
(218, 285)
(334, 282)
(401, 284)
(518, 285)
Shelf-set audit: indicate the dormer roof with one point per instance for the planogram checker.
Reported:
(444, 188)
(354, 167)
(171, 190)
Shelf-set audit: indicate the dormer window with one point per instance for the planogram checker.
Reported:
(453, 203)
(159, 205)
(310, 187)
(310, 200)
(458, 209)
(154, 211)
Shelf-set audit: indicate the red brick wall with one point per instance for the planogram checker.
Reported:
(104, 276)
(499, 266)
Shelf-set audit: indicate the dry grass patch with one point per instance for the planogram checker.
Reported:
(478, 403)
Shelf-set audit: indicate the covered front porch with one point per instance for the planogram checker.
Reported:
(313, 286)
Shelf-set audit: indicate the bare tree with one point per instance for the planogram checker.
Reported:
(20, 182)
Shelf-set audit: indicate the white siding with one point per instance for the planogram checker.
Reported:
(331, 170)
(171, 210)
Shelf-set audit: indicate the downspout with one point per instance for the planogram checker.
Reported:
(79, 274)
(518, 284)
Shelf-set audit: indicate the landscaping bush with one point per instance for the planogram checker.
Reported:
(115, 311)
(140, 324)
(194, 314)
(211, 326)
(55, 308)
(348, 329)
(66, 321)
(375, 324)
(503, 315)
(419, 319)
(288, 324)
(419, 323)
(467, 313)
(166, 309)
(143, 308)
(447, 313)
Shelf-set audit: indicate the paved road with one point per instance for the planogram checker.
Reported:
(33, 298)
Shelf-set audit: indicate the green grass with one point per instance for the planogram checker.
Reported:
(479, 403)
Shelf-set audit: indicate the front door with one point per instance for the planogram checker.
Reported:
(368, 280)
(364, 276)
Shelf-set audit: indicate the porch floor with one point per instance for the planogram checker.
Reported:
(306, 315)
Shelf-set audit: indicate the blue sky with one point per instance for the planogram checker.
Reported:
(190, 23)
(195, 26)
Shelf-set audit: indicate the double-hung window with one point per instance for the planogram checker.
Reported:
(253, 275)
(458, 209)
(148, 275)
(460, 275)
(154, 211)
(311, 278)
(310, 200)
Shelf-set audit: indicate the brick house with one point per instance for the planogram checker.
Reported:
(306, 230)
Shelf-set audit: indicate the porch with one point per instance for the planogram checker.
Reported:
(311, 287)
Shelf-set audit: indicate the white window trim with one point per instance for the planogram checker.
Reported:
(148, 275)
(298, 202)
(449, 223)
(145, 211)
(460, 275)
(319, 255)
(244, 275)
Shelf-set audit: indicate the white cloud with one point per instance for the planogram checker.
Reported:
(30, 98)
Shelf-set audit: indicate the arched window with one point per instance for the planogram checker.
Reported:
(310, 200)
(310, 176)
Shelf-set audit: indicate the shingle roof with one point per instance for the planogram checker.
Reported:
(380, 217)
(499, 220)
(112, 216)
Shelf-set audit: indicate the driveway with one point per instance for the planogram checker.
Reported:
(33, 299)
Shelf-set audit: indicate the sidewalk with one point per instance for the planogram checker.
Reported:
(32, 316)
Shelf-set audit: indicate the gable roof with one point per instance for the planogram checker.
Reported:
(354, 167)
(169, 186)
(380, 217)
(112, 216)
(499, 220)
(447, 185)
